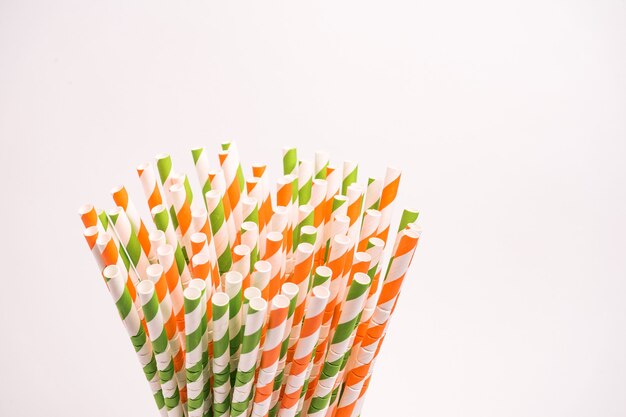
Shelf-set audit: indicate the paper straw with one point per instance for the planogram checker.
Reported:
(221, 354)
(387, 197)
(250, 210)
(121, 198)
(91, 236)
(230, 165)
(182, 208)
(392, 284)
(89, 217)
(261, 278)
(110, 255)
(308, 234)
(321, 163)
(353, 305)
(305, 218)
(206, 322)
(161, 347)
(164, 167)
(220, 233)
(305, 178)
(270, 355)
(232, 282)
(218, 183)
(249, 352)
(157, 239)
(129, 240)
(338, 252)
(290, 290)
(156, 275)
(285, 198)
(166, 259)
(201, 163)
(274, 255)
(372, 193)
(164, 223)
(300, 277)
(350, 172)
(318, 202)
(250, 238)
(201, 224)
(193, 359)
(371, 220)
(262, 194)
(408, 216)
(116, 285)
(290, 160)
(149, 185)
(241, 264)
(303, 351)
(322, 277)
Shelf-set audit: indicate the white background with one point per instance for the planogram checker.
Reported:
(507, 118)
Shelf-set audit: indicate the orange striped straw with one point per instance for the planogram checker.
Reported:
(241, 264)
(387, 197)
(149, 185)
(89, 217)
(121, 198)
(274, 255)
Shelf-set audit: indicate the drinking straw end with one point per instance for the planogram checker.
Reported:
(233, 277)
(220, 299)
(165, 250)
(154, 272)
(145, 288)
(263, 266)
(251, 292)
(257, 304)
(84, 209)
(289, 289)
(198, 284)
(111, 272)
(242, 250)
(321, 293)
(192, 293)
(362, 278)
(280, 301)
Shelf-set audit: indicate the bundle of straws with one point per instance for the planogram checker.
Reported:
(251, 302)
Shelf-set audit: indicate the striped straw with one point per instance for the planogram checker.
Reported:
(350, 172)
(193, 359)
(163, 222)
(250, 238)
(303, 351)
(116, 285)
(128, 239)
(321, 163)
(233, 281)
(221, 354)
(270, 355)
(353, 306)
(201, 163)
(249, 351)
(215, 208)
(162, 352)
(387, 197)
(166, 259)
(121, 198)
(261, 278)
(149, 185)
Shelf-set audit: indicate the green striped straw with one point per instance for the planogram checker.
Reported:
(232, 149)
(116, 284)
(221, 355)
(321, 164)
(305, 181)
(207, 338)
(290, 160)
(250, 238)
(308, 234)
(305, 218)
(291, 291)
(201, 162)
(408, 216)
(350, 172)
(162, 222)
(158, 337)
(340, 344)
(233, 281)
(194, 334)
(255, 318)
(219, 228)
(129, 241)
(321, 277)
(372, 193)
(164, 167)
